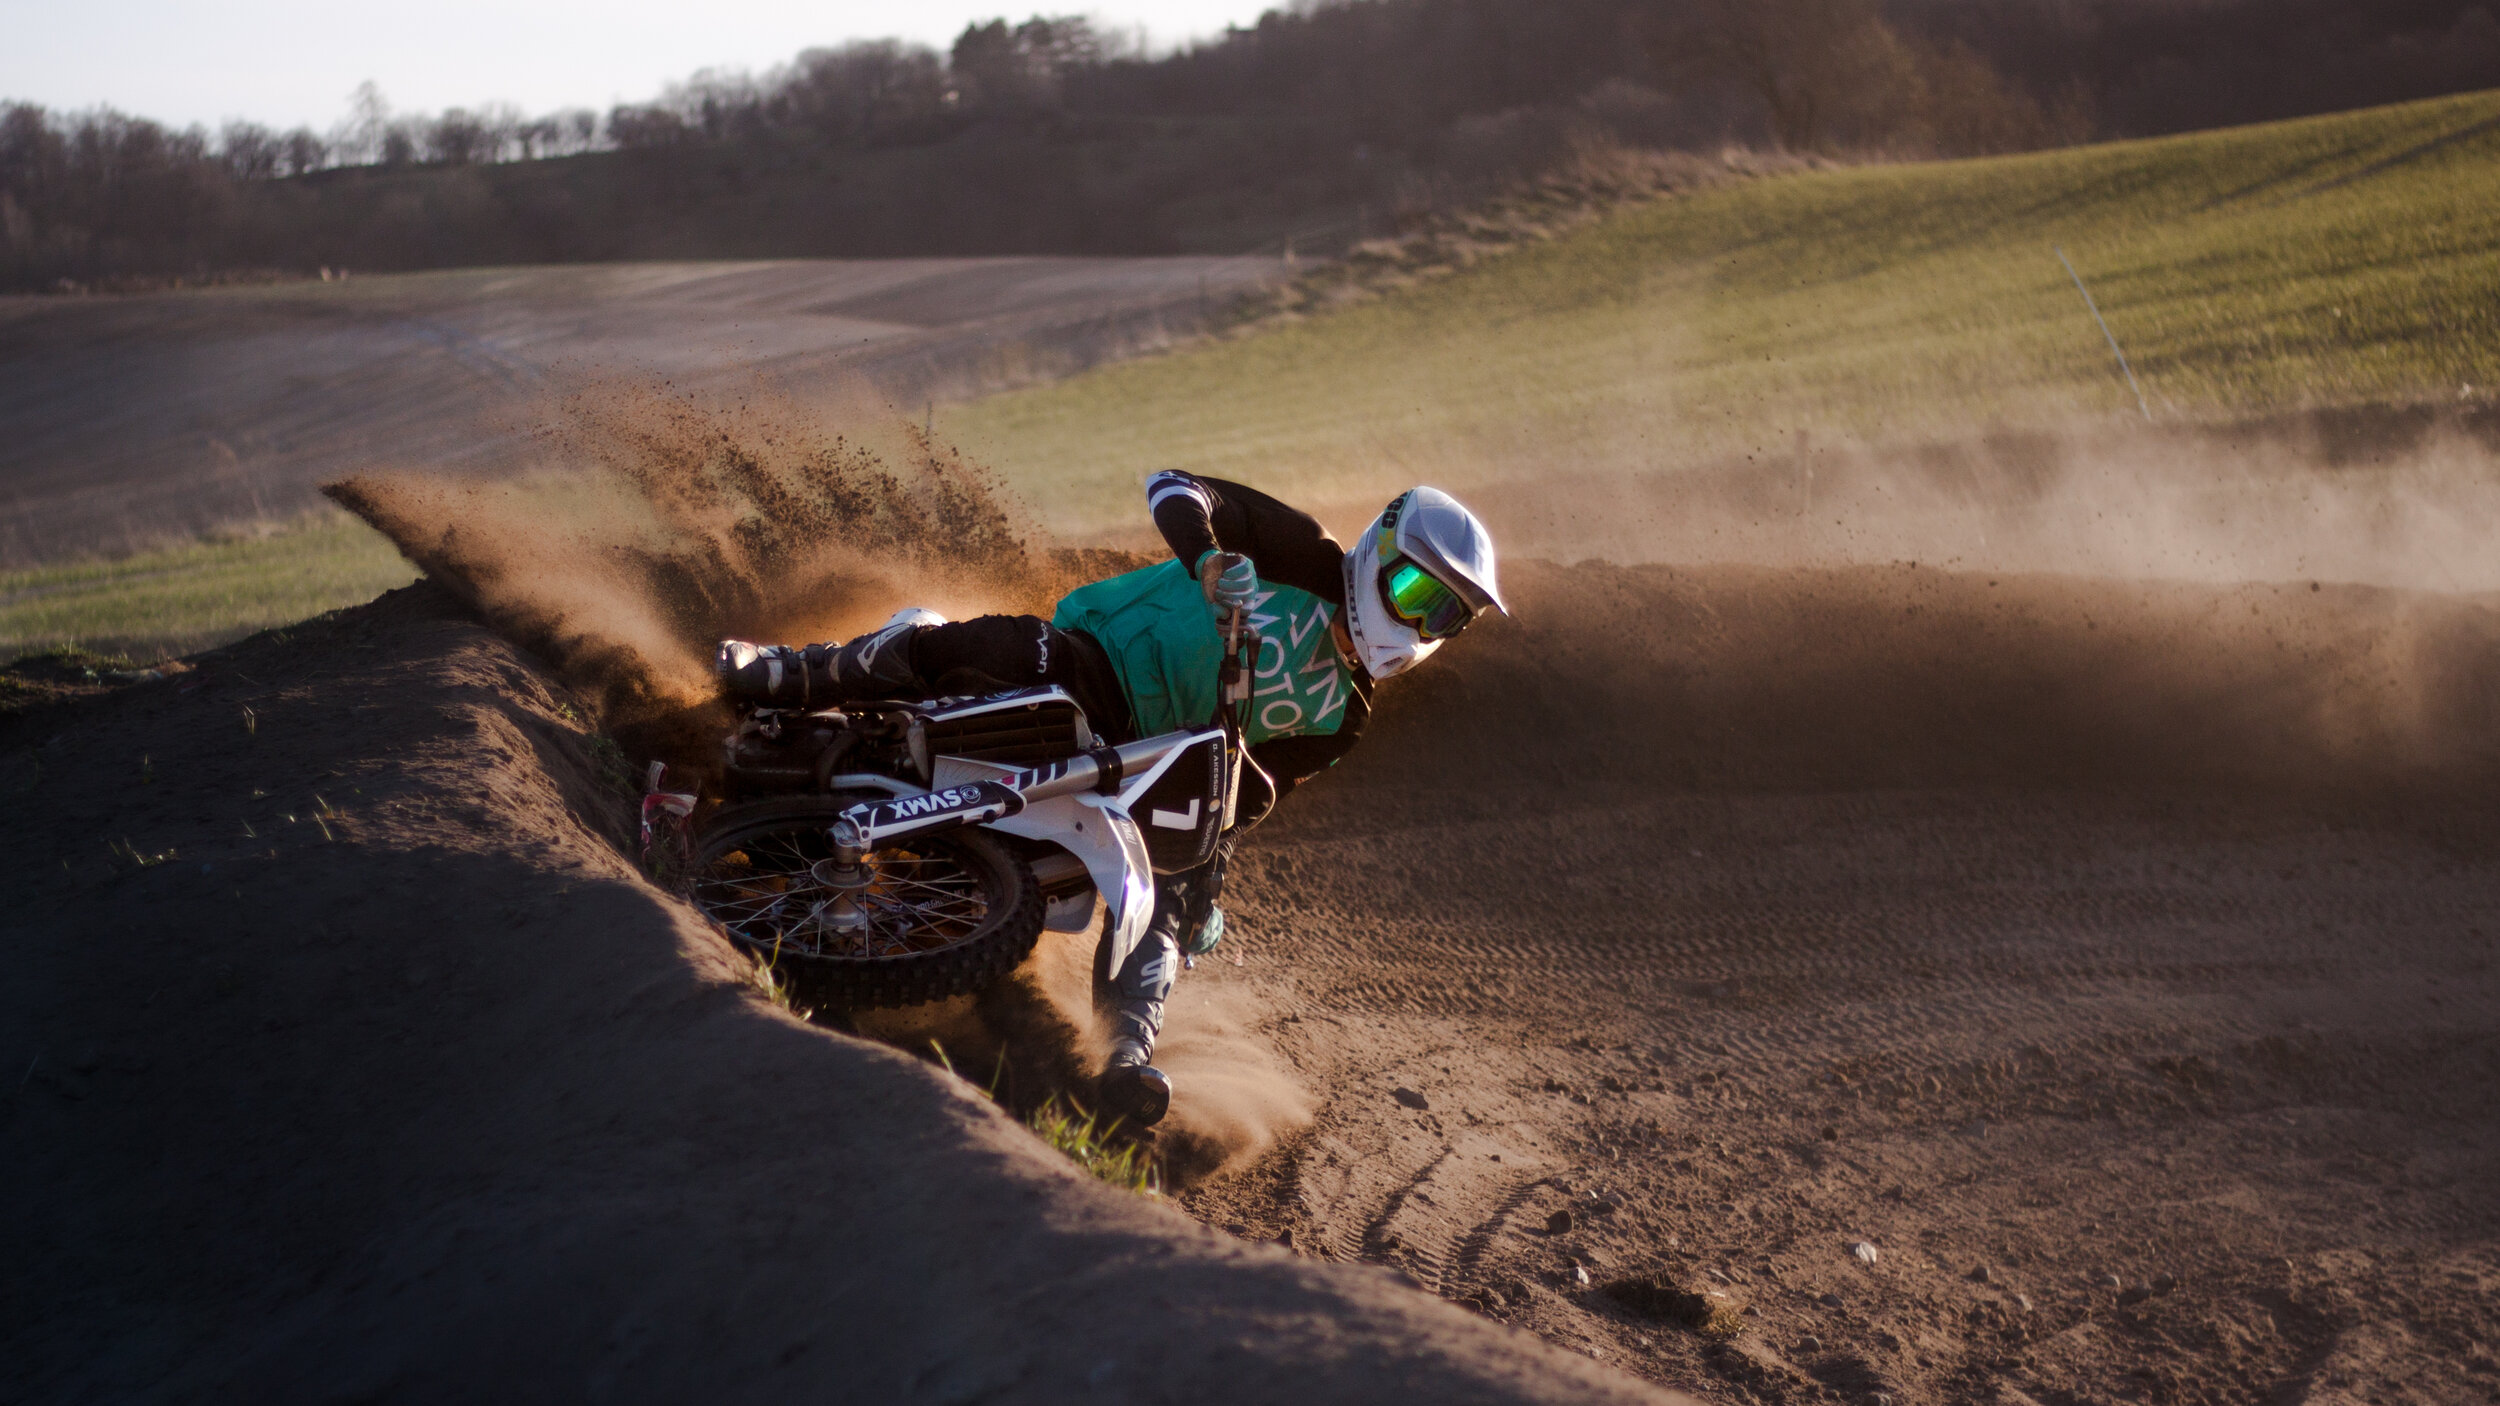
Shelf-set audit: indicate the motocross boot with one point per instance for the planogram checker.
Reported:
(1133, 1091)
(874, 665)
(761, 673)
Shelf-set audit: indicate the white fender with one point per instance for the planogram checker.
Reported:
(1135, 907)
(1129, 921)
(1098, 831)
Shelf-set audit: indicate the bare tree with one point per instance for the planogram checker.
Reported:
(302, 151)
(1961, 104)
(638, 128)
(401, 141)
(1805, 60)
(716, 105)
(502, 122)
(538, 136)
(1837, 72)
(1026, 67)
(854, 92)
(458, 138)
(250, 151)
(360, 137)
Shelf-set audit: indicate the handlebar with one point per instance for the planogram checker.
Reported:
(1234, 677)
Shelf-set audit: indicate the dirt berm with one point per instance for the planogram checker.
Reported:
(351, 1061)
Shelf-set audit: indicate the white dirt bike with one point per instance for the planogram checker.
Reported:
(894, 853)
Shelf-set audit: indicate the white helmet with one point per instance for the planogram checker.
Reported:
(1422, 572)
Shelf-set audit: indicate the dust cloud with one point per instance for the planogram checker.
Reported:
(1038, 1035)
(2292, 605)
(1740, 678)
(2408, 499)
(1240, 1098)
(2311, 601)
(657, 523)
(660, 523)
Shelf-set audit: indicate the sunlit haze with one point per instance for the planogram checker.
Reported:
(285, 62)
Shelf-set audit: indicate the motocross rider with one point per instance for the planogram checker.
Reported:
(1140, 654)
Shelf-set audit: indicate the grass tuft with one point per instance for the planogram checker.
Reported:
(56, 675)
(1082, 1137)
(1090, 1144)
(765, 972)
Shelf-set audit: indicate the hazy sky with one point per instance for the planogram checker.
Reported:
(285, 62)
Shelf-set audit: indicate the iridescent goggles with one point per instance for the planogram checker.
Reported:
(1422, 601)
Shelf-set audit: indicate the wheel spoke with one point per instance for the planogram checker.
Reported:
(936, 900)
(750, 903)
(921, 898)
(895, 882)
(935, 907)
(737, 889)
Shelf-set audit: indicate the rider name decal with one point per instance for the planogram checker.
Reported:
(1299, 683)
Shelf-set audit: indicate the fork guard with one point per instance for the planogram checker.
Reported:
(872, 823)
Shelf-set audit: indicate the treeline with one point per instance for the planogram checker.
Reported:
(1316, 126)
(2156, 66)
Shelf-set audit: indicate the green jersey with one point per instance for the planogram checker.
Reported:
(1166, 647)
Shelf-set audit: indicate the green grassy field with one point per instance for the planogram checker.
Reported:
(2332, 260)
(197, 594)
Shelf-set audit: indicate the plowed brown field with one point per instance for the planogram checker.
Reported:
(133, 419)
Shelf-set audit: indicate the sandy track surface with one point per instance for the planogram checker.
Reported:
(351, 1061)
(127, 418)
(2152, 1064)
(2113, 961)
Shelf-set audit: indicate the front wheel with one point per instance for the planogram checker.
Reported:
(940, 915)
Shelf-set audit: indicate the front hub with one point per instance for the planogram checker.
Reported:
(844, 876)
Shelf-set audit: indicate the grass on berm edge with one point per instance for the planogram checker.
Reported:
(181, 599)
(1088, 1142)
(1082, 1137)
(2328, 261)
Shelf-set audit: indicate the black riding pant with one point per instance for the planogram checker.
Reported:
(998, 652)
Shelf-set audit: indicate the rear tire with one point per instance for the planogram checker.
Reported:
(948, 914)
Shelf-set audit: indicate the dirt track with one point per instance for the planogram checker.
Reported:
(141, 417)
(2045, 928)
(353, 1062)
(2118, 961)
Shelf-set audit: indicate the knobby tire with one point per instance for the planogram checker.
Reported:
(794, 826)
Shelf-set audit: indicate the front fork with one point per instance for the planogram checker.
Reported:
(846, 875)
